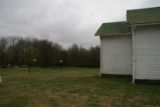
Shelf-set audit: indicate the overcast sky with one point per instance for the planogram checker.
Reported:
(64, 21)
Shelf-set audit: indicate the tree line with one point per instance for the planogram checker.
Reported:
(17, 51)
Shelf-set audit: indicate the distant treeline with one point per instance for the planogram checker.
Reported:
(16, 51)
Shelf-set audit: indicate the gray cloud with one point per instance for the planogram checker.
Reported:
(65, 21)
(151, 3)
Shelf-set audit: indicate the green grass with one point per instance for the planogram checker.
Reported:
(77, 87)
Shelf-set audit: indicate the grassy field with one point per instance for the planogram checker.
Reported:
(72, 87)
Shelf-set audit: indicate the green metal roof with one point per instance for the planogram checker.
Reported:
(113, 28)
(143, 16)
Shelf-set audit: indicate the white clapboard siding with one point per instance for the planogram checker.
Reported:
(116, 54)
(147, 52)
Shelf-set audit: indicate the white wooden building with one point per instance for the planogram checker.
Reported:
(132, 47)
(115, 49)
(145, 24)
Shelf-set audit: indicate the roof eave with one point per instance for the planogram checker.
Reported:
(142, 24)
(127, 33)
